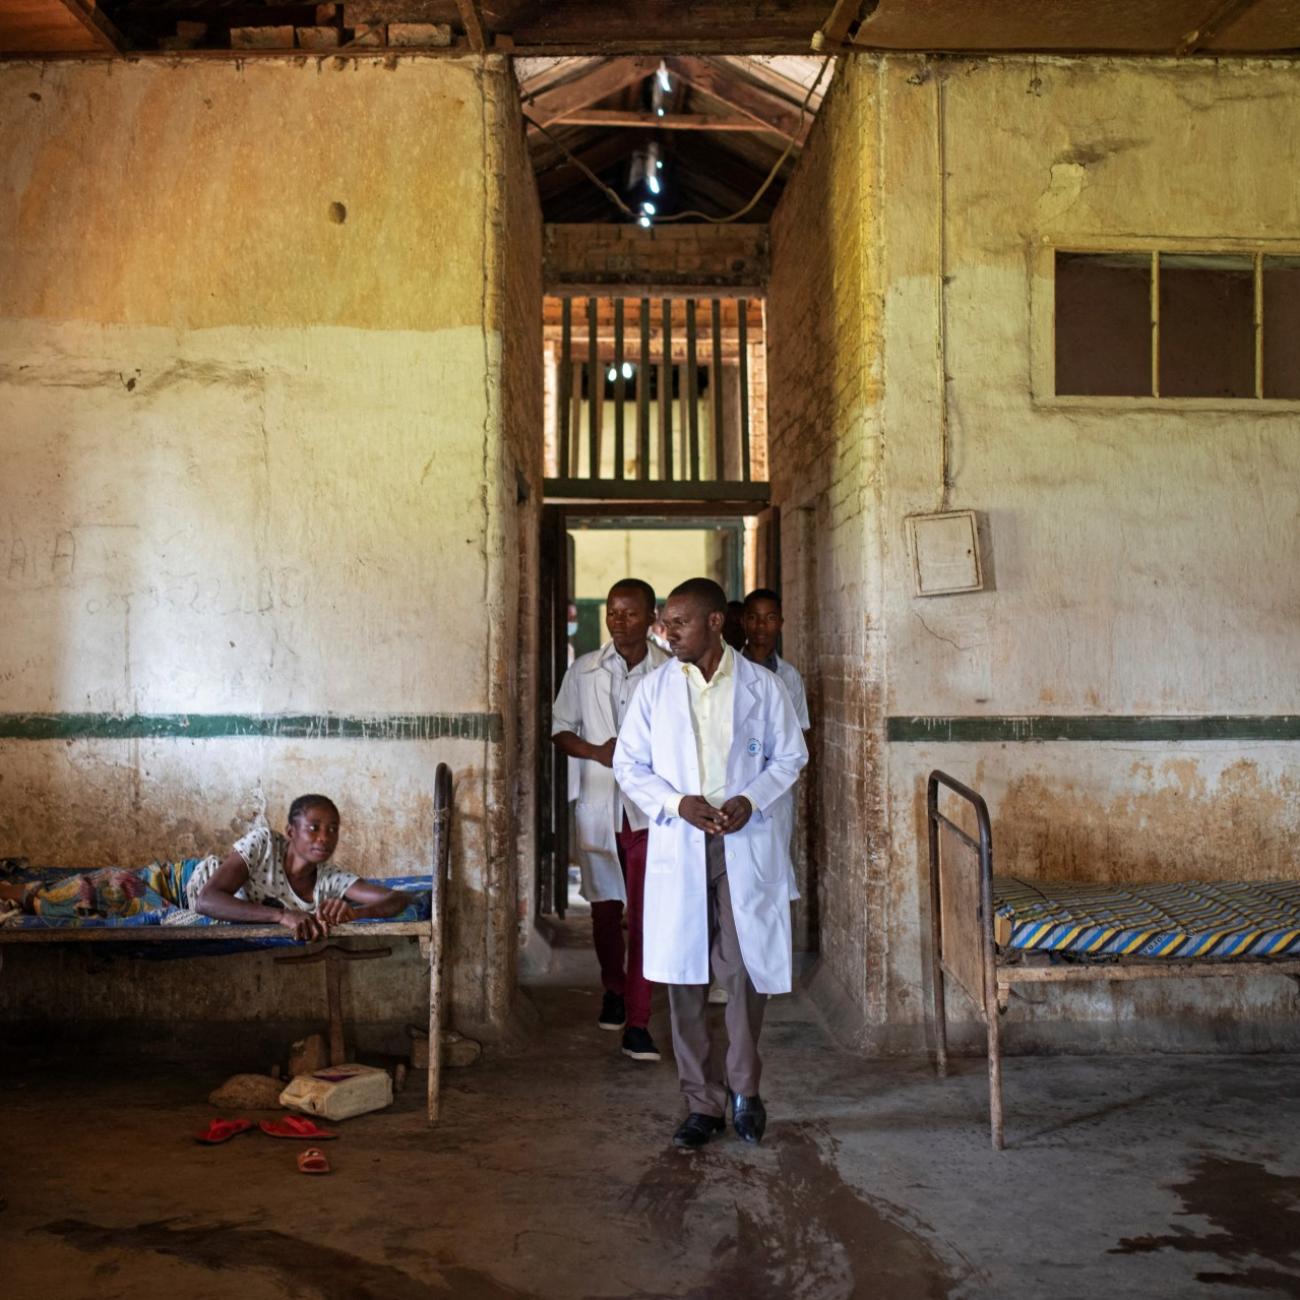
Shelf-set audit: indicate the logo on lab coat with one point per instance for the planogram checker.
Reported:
(753, 746)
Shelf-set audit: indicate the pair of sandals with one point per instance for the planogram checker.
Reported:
(311, 1161)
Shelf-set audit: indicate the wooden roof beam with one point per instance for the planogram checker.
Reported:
(605, 79)
(668, 122)
(843, 23)
(1223, 15)
(473, 25)
(604, 153)
(91, 17)
(745, 97)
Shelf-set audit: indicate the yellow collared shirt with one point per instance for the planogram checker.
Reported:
(711, 714)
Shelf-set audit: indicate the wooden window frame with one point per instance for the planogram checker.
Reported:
(1043, 323)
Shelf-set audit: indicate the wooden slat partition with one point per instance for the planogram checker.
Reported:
(662, 351)
(715, 388)
(620, 388)
(743, 329)
(595, 391)
(692, 391)
(566, 385)
(643, 397)
(666, 396)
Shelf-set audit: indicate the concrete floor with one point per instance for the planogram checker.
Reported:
(551, 1176)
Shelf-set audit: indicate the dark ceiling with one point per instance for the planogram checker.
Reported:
(735, 73)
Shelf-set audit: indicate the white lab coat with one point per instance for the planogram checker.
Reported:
(585, 707)
(656, 763)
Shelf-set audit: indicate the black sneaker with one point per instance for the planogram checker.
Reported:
(638, 1044)
(613, 1014)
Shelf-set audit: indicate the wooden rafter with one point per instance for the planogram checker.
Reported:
(603, 153)
(605, 79)
(616, 117)
(744, 96)
(473, 25)
(843, 21)
(89, 15)
(1224, 14)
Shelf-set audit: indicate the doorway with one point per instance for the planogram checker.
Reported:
(586, 548)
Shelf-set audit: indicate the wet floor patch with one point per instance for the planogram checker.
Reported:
(785, 1225)
(1254, 1217)
(304, 1268)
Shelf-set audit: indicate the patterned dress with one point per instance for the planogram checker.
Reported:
(121, 891)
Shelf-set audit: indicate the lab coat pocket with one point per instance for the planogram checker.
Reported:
(765, 851)
(661, 850)
(595, 830)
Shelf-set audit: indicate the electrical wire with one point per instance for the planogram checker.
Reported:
(617, 199)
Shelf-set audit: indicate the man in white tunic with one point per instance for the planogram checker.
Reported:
(611, 829)
(763, 623)
(708, 749)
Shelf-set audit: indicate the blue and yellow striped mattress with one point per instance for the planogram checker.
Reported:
(1191, 918)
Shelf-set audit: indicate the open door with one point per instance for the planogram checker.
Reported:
(552, 767)
(767, 559)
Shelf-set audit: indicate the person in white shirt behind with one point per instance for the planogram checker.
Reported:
(610, 829)
(763, 623)
(708, 749)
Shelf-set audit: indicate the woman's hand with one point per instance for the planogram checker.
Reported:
(303, 925)
(336, 911)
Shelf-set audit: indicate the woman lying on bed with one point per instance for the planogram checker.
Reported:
(266, 878)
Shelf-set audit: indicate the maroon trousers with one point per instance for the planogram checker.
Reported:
(620, 964)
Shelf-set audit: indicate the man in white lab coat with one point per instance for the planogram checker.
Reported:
(708, 749)
(610, 829)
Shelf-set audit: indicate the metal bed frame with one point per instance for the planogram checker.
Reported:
(428, 933)
(963, 946)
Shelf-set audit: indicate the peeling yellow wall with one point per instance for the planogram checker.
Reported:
(1142, 560)
(198, 195)
(254, 454)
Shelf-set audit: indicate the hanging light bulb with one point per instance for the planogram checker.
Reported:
(649, 208)
(627, 370)
(652, 184)
(643, 221)
(612, 375)
(664, 80)
(659, 112)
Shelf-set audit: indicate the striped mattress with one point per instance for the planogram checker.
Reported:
(1192, 918)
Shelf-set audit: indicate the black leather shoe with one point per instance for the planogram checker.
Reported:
(696, 1130)
(748, 1117)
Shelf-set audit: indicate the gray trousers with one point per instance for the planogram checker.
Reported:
(706, 1070)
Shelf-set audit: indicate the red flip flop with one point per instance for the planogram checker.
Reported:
(312, 1161)
(294, 1126)
(222, 1130)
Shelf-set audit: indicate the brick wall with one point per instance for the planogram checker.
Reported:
(665, 255)
(823, 372)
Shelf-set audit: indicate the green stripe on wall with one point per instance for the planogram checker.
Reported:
(1058, 727)
(215, 726)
